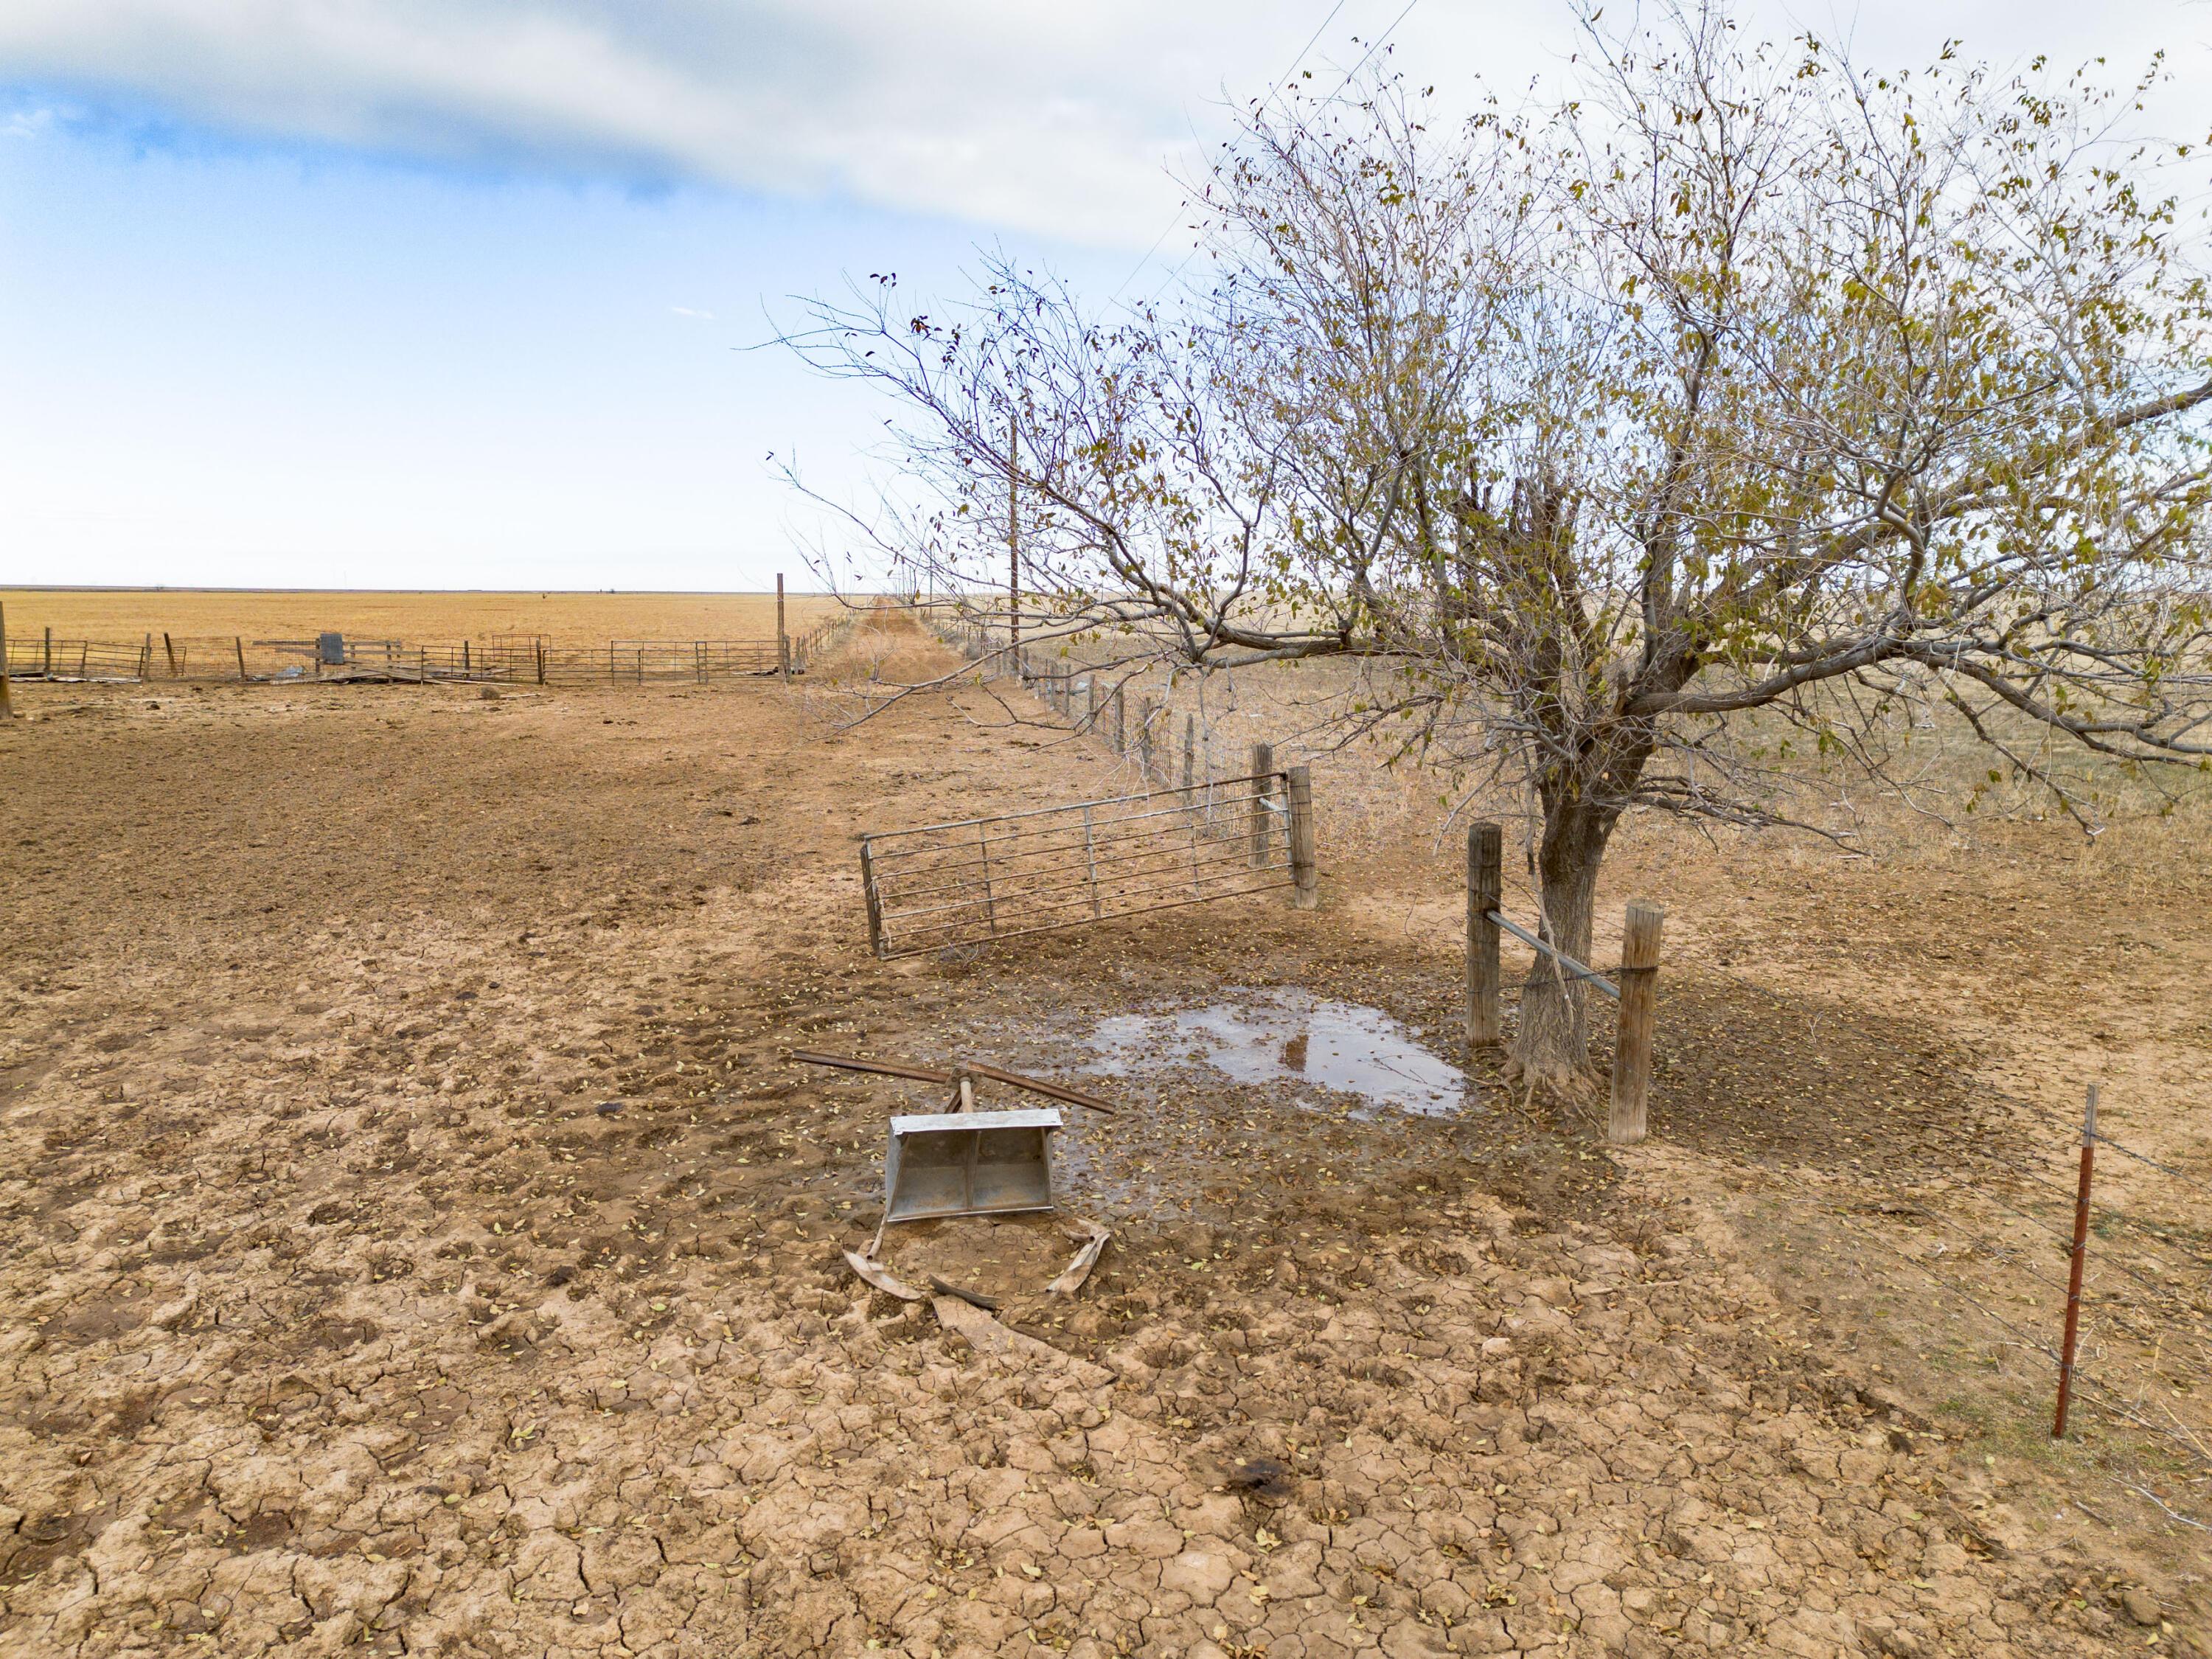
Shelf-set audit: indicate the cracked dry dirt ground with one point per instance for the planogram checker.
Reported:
(339, 1317)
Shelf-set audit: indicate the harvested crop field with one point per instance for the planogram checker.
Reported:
(422, 1241)
(567, 618)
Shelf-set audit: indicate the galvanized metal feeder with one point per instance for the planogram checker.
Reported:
(967, 1161)
(943, 1163)
(962, 1161)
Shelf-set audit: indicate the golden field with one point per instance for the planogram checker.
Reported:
(426, 617)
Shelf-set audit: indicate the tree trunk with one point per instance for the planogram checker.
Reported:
(1553, 1045)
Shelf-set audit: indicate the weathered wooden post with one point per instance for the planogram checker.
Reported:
(1263, 787)
(46, 662)
(238, 644)
(1190, 751)
(875, 904)
(540, 645)
(1144, 738)
(6, 691)
(1090, 703)
(1120, 720)
(169, 650)
(1485, 891)
(783, 639)
(1631, 1051)
(1305, 872)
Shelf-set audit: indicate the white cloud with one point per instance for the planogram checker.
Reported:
(1051, 116)
(27, 124)
(1055, 118)
(695, 316)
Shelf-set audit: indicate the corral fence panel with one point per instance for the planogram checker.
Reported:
(983, 880)
(510, 658)
(46, 657)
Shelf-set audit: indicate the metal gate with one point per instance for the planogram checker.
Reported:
(980, 880)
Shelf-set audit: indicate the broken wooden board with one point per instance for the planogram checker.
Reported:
(993, 1341)
(1071, 1280)
(874, 1273)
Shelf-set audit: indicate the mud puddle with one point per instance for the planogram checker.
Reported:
(1288, 1037)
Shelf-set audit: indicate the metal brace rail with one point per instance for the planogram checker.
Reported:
(1575, 969)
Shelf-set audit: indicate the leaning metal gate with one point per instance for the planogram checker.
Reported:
(985, 879)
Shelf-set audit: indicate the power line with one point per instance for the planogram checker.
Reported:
(1280, 81)
(1376, 46)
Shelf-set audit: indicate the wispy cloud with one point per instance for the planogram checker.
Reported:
(1057, 117)
(1053, 118)
(27, 124)
(695, 316)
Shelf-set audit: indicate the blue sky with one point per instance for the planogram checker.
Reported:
(444, 293)
(250, 368)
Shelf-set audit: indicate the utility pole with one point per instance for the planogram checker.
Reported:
(1014, 543)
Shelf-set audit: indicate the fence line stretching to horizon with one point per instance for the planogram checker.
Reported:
(498, 658)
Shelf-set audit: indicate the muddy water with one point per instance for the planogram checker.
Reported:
(1289, 1038)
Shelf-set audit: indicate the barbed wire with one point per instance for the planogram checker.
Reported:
(2129, 1152)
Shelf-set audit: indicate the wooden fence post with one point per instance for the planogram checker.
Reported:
(875, 904)
(1486, 890)
(1090, 703)
(983, 861)
(783, 639)
(48, 662)
(146, 659)
(6, 692)
(1263, 768)
(540, 647)
(1305, 874)
(238, 644)
(1189, 748)
(1144, 738)
(1632, 1051)
(1120, 720)
(169, 650)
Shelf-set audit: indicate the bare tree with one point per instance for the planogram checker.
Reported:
(1743, 385)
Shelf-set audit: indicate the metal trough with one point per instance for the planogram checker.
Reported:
(969, 1163)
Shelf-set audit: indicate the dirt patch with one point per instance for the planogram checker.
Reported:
(428, 1247)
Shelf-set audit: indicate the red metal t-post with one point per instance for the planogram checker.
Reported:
(2074, 1273)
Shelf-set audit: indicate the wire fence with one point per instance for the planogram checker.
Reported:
(1994, 1235)
(46, 657)
(1167, 748)
(501, 659)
